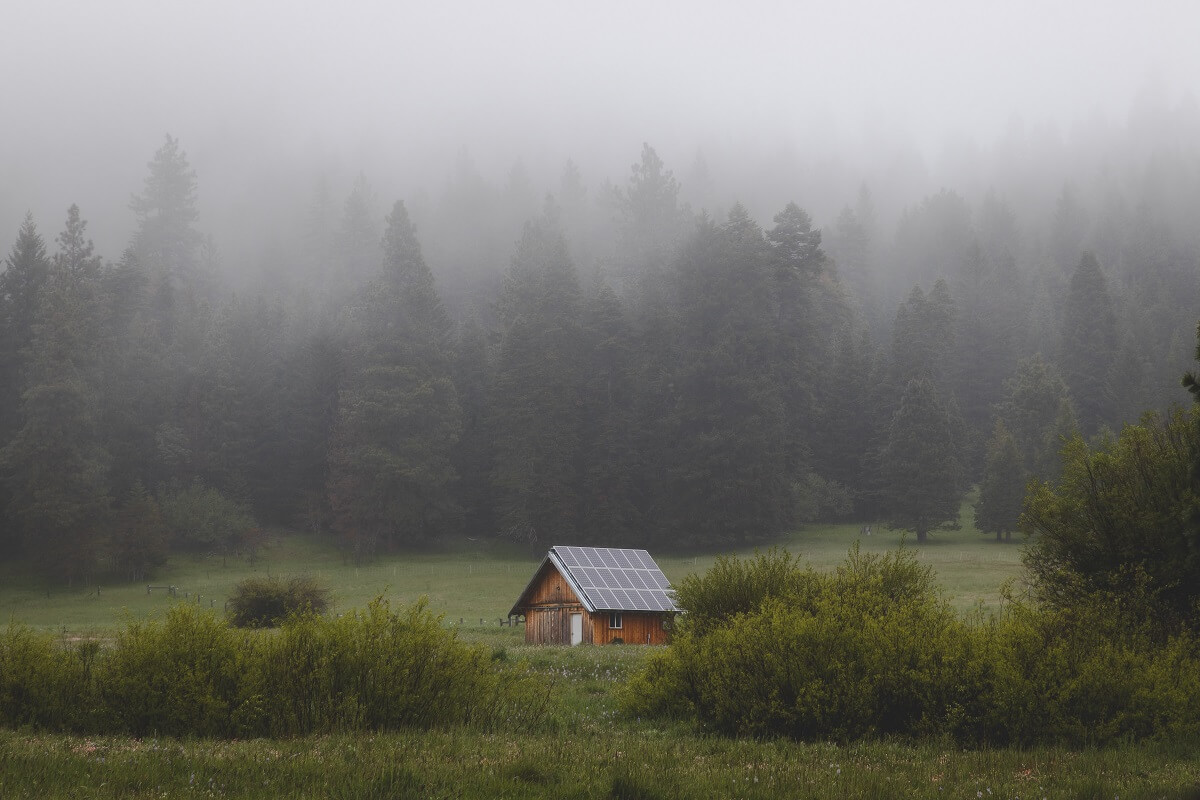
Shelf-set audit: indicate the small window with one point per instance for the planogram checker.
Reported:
(614, 620)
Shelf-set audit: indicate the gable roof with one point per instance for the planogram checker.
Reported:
(608, 579)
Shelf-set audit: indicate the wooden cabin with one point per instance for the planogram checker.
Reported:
(596, 595)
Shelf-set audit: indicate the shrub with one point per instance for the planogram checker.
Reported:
(871, 650)
(191, 674)
(43, 685)
(176, 677)
(265, 602)
(735, 586)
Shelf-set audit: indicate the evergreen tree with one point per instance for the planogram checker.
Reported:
(537, 413)
(54, 467)
(22, 282)
(1089, 345)
(651, 221)
(727, 477)
(922, 338)
(798, 263)
(26, 271)
(391, 477)
(986, 333)
(166, 212)
(1003, 488)
(138, 542)
(358, 236)
(1069, 227)
(474, 456)
(844, 433)
(919, 465)
(137, 376)
(609, 437)
(314, 374)
(1037, 410)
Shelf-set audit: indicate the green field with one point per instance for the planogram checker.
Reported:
(466, 580)
(618, 762)
(588, 748)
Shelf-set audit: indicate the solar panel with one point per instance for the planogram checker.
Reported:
(617, 579)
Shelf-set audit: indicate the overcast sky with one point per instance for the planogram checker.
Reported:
(89, 88)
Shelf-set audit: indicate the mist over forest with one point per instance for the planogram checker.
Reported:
(646, 278)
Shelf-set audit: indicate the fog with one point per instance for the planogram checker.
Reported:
(638, 273)
(800, 101)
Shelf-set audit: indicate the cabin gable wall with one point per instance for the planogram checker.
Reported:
(550, 604)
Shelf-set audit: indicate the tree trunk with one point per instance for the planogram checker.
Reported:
(922, 535)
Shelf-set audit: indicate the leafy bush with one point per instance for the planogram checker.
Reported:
(871, 649)
(175, 677)
(191, 674)
(1123, 519)
(735, 586)
(42, 685)
(265, 602)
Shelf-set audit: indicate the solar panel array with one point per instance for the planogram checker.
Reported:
(616, 579)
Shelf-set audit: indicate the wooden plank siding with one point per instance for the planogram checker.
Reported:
(551, 602)
(636, 628)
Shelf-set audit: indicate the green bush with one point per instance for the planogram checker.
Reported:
(735, 586)
(872, 650)
(43, 685)
(192, 674)
(176, 677)
(265, 602)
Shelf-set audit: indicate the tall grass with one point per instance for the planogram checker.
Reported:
(619, 762)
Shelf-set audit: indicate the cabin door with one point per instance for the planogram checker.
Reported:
(576, 629)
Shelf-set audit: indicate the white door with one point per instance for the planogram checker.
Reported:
(576, 629)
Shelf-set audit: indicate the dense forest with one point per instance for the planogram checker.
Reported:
(641, 362)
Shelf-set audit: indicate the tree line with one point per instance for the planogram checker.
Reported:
(703, 382)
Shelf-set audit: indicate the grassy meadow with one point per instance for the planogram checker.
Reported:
(466, 580)
(588, 748)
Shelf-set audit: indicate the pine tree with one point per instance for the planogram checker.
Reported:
(391, 476)
(138, 541)
(539, 386)
(314, 374)
(798, 263)
(845, 428)
(358, 248)
(474, 456)
(919, 465)
(27, 269)
(651, 221)
(54, 467)
(727, 476)
(609, 435)
(22, 282)
(1037, 410)
(1002, 490)
(1089, 345)
(1069, 227)
(166, 239)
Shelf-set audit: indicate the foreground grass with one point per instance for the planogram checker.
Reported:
(587, 750)
(468, 581)
(620, 763)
